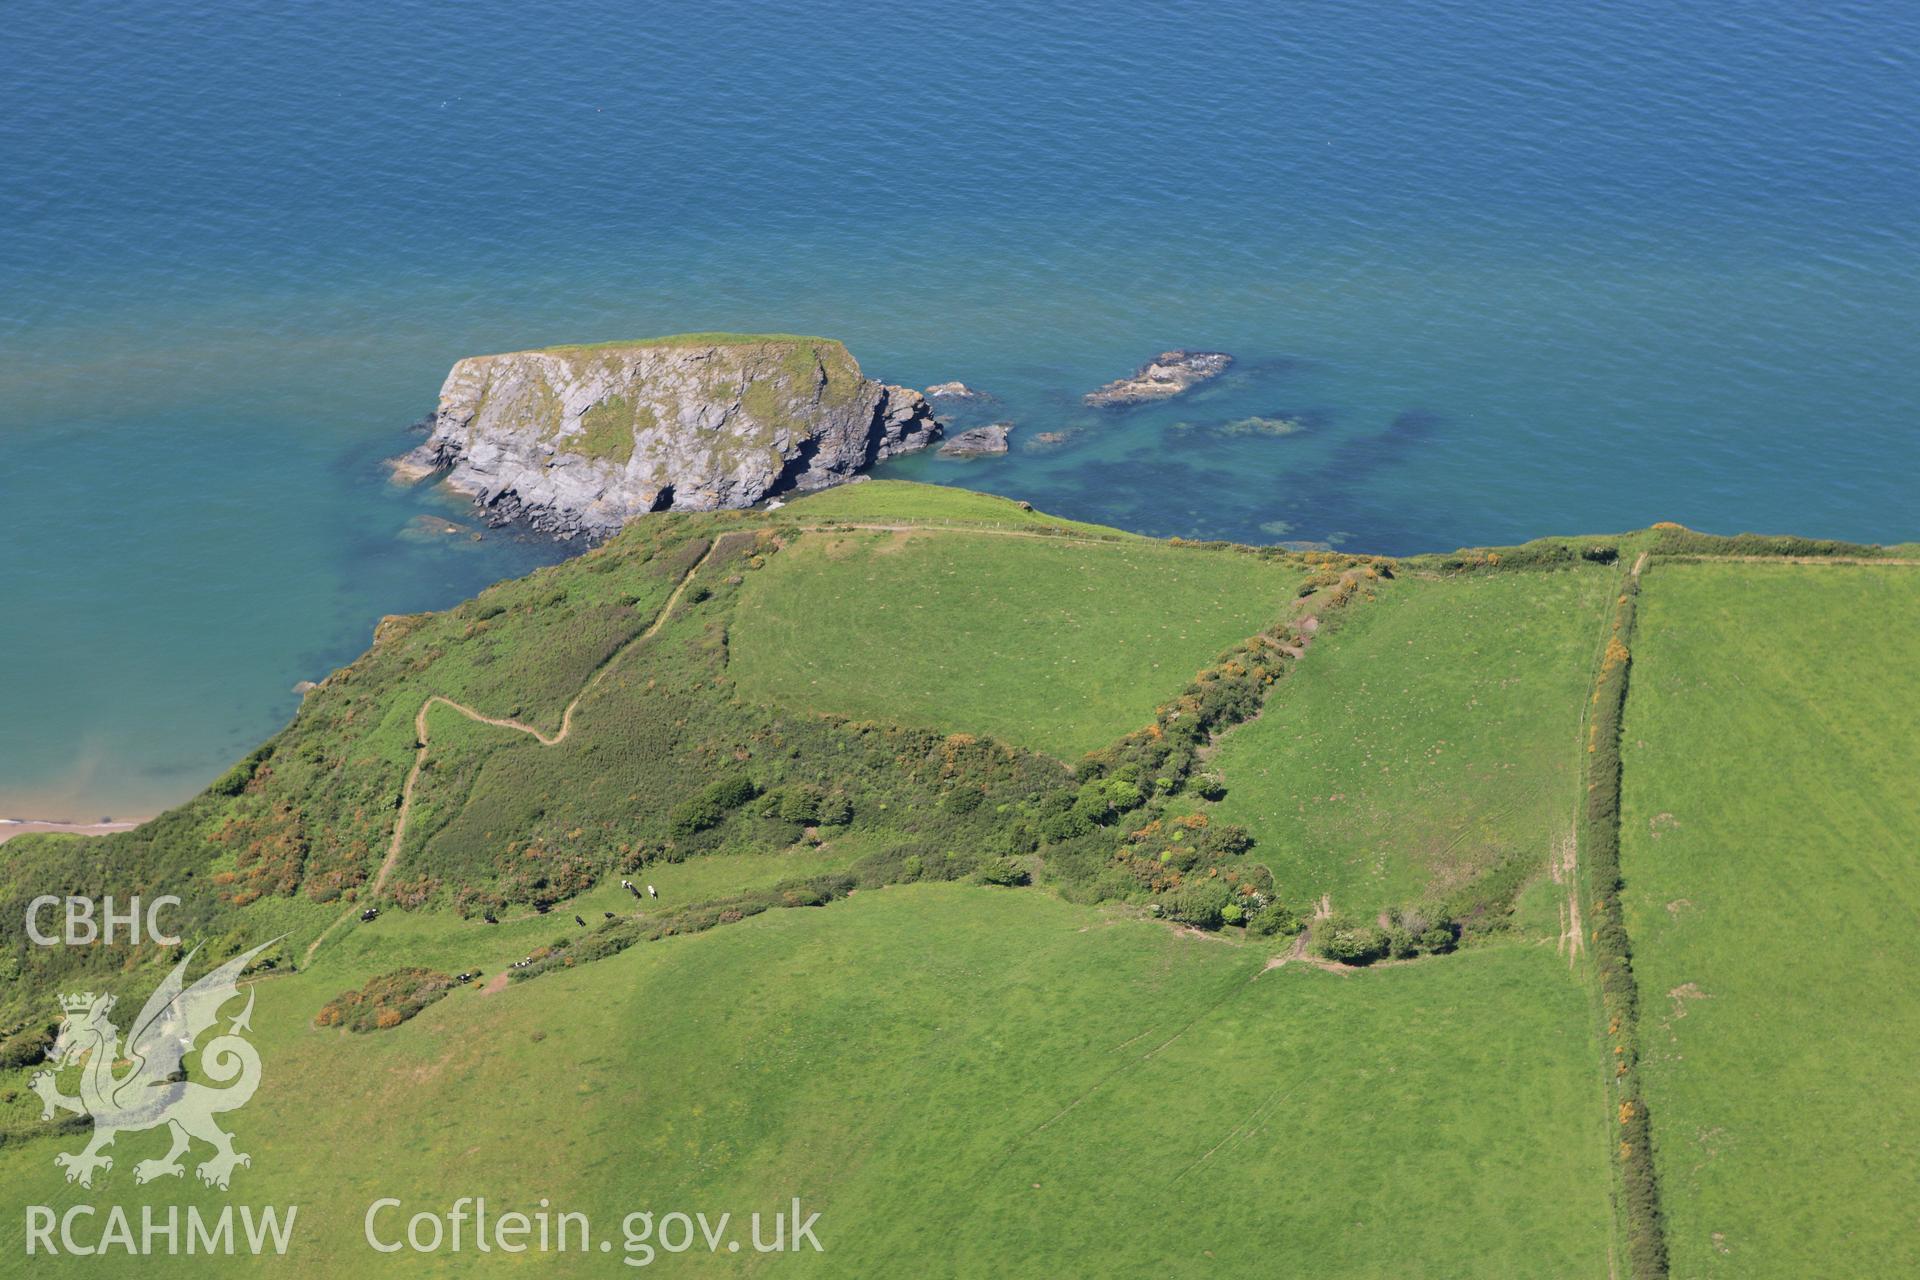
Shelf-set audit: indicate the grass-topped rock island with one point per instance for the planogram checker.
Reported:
(582, 438)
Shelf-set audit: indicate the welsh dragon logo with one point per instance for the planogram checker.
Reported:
(151, 1089)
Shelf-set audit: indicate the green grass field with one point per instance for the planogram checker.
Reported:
(1771, 839)
(893, 501)
(982, 1081)
(1431, 733)
(1061, 646)
(985, 1081)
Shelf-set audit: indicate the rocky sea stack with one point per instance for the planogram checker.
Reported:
(580, 439)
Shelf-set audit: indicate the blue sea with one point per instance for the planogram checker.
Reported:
(1509, 269)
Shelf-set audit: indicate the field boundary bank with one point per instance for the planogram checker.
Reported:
(1852, 561)
(1598, 838)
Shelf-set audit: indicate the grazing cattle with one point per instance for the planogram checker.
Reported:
(607, 914)
(369, 914)
(490, 918)
(582, 923)
(652, 892)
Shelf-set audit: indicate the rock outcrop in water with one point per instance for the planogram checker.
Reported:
(979, 442)
(955, 391)
(581, 439)
(1167, 374)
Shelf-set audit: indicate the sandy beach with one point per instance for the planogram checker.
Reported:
(11, 827)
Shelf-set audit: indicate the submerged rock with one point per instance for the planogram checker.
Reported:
(1167, 374)
(1052, 439)
(1261, 427)
(430, 528)
(979, 442)
(408, 470)
(581, 439)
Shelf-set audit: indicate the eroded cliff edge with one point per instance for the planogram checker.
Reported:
(581, 439)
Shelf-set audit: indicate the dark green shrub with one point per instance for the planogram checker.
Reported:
(1093, 805)
(235, 780)
(1349, 941)
(962, 800)
(711, 806)
(1003, 871)
(1200, 903)
(797, 803)
(1274, 920)
(1065, 826)
(25, 1047)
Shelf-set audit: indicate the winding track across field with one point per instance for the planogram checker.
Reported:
(566, 717)
(420, 732)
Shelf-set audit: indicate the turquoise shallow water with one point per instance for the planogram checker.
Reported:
(1514, 269)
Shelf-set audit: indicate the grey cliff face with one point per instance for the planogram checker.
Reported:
(581, 439)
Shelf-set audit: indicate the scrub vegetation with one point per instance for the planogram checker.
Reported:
(1172, 908)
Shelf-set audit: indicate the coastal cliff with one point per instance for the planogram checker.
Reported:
(580, 439)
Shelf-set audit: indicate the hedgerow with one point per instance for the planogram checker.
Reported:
(1677, 540)
(1545, 553)
(384, 1002)
(614, 936)
(1599, 841)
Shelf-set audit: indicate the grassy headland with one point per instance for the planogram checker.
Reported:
(908, 703)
